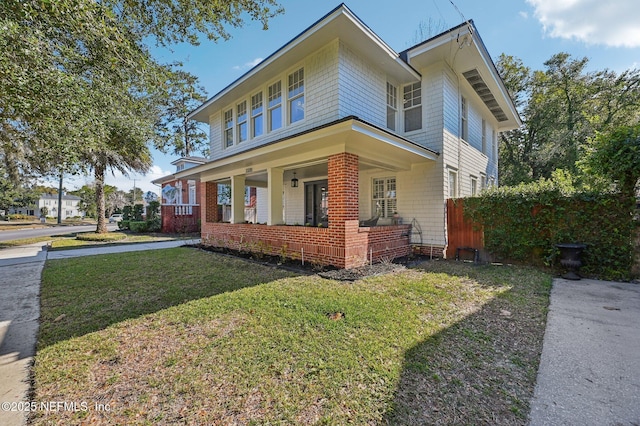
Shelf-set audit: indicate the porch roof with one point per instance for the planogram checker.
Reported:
(375, 147)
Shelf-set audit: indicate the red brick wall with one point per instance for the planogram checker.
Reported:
(343, 188)
(209, 201)
(345, 248)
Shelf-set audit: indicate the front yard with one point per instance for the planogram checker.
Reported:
(192, 337)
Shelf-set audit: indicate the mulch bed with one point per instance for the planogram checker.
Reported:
(328, 272)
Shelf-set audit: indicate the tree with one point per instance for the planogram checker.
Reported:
(71, 70)
(615, 157)
(562, 107)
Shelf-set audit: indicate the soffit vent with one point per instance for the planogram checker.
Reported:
(478, 84)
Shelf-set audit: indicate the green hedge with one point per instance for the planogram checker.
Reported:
(524, 224)
(138, 226)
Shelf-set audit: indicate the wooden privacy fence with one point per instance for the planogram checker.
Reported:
(463, 237)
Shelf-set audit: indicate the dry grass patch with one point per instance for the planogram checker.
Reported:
(264, 348)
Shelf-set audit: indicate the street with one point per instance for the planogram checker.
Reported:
(19, 234)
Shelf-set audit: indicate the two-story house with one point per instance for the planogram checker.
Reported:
(356, 144)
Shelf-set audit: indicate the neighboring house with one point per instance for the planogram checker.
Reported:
(180, 198)
(336, 128)
(70, 207)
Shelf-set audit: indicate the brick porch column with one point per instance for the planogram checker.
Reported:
(343, 188)
(209, 201)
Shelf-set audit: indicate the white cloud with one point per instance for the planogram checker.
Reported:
(613, 23)
(248, 65)
(523, 14)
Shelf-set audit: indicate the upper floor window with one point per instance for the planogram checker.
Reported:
(275, 106)
(242, 125)
(296, 96)
(474, 186)
(494, 142)
(484, 136)
(228, 128)
(412, 107)
(257, 116)
(464, 119)
(392, 106)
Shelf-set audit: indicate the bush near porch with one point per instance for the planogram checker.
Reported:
(524, 223)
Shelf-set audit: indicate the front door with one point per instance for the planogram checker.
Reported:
(316, 203)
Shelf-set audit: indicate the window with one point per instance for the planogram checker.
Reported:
(228, 128)
(68, 203)
(474, 186)
(275, 106)
(483, 182)
(464, 119)
(241, 111)
(192, 193)
(453, 184)
(392, 106)
(494, 143)
(384, 197)
(412, 107)
(256, 115)
(484, 137)
(296, 96)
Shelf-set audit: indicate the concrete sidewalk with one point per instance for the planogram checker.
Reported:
(590, 367)
(20, 275)
(20, 272)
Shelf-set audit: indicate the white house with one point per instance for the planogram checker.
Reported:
(336, 128)
(70, 207)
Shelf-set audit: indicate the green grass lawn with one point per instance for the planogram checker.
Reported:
(183, 336)
(87, 239)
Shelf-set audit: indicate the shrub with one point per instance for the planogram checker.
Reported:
(154, 225)
(123, 225)
(524, 223)
(138, 226)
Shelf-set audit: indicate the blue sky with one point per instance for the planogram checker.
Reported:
(608, 33)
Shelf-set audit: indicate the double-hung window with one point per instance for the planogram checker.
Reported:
(384, 196)
(242, 126)
(257, 116)
(275, 106)
(453, 184)
(296, 96)
(392, 106)
(412, 107)
(464, 119)
(228, 128)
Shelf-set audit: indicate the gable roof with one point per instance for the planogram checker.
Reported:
(341, 23)
(462, 48)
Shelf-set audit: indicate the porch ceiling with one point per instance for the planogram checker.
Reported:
(375, 148)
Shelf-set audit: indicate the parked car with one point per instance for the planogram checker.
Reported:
(115, 218)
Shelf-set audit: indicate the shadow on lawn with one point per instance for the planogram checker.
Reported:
(481, 370)
(86, 294)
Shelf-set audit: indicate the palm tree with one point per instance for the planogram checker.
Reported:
(125, 150)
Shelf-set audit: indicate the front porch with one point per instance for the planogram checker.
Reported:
(310, 203)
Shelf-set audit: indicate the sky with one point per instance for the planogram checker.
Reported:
(607, 33)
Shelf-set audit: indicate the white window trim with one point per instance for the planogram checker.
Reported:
(374, 201)
(412, 107)
(452, 173)
(285, 106)
(291, 99)
(393, 105)
(464, 118)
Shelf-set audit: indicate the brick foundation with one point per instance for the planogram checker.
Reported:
(318, 245)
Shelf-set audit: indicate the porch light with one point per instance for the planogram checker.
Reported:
(294, 181)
